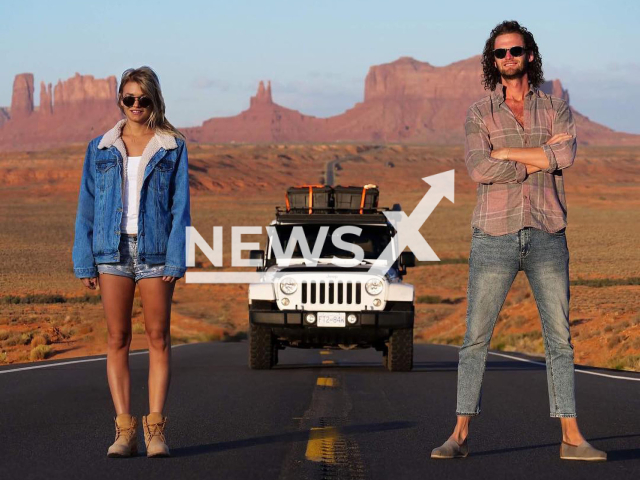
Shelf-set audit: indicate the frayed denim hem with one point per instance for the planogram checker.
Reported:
(563, 415)
(467, 414)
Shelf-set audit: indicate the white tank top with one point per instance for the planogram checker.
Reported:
(130, 202)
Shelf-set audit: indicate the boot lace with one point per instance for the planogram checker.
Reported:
(126, 432)
(155, 430)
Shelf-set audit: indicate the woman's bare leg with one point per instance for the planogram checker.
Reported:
(117, 300)
(156, 304)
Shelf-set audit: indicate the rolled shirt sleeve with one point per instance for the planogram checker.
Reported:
(482, 167)
(561, 155)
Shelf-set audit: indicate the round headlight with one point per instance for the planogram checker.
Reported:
(288, 285)
(374, 286)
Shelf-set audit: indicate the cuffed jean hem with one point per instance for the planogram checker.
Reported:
(459, 414)
(563, 415)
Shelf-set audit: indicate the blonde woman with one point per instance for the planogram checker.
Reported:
(133, 208)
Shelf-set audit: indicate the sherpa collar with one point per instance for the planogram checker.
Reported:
(114, 138)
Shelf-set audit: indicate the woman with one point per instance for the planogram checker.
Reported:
(133, 210)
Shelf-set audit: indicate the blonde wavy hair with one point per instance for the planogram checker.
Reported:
(150, 86)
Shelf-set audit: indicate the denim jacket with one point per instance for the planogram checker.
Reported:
(164, 208)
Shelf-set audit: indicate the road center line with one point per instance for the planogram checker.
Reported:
(327, 382)
(321, 444)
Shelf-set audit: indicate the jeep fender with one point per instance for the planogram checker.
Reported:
(400, 292)
(261, 291)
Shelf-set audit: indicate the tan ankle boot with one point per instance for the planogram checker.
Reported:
(126, 443)
(154, 426)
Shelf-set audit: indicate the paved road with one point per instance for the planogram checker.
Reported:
(227, 421)
(330, 167)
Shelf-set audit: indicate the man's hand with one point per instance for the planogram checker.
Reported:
(558, 138)
(90, 283)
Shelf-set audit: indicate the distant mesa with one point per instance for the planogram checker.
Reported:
(405, 101)
(75, 110)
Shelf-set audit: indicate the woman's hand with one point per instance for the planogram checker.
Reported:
(170, 279)
(90, 283)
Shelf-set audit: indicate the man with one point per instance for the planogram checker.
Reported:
(518, 141)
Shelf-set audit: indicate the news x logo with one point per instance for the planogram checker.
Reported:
(407, 228)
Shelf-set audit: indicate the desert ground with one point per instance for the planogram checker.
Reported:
(45, 312)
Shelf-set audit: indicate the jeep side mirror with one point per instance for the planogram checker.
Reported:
(407, 259)
(257, 255)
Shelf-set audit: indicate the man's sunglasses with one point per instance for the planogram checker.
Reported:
(502, 52)
(130, 100)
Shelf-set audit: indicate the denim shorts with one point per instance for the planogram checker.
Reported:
(129, 265)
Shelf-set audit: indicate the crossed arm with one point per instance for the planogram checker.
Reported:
(512, 165)
(534, 158)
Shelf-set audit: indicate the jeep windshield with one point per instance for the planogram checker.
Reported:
(373, 239)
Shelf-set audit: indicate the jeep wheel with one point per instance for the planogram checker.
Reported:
(400, 354)
(261, 348)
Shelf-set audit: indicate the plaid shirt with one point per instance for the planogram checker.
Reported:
(508, 198)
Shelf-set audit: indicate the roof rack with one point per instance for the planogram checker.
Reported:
(332, 217)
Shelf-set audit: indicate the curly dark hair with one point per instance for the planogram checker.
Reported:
(490, 73)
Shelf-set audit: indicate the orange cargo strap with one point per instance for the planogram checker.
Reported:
(286, 196)
(364, 192)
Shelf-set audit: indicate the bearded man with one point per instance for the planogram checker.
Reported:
(518, 142)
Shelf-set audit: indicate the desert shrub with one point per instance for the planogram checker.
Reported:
(40, 352)
(138, 327)
(528, 342)
(235, 337)
(613, 341)
(4, 335)
(608, 329)
(39, 340)
(84, 329)
(606, 282)
(3, 357)
(630, 362)
(67, 332)
(429, 299)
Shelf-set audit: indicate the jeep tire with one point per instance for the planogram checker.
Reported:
(399, 356)
(262, 348)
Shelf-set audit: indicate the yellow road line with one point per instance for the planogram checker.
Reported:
(327, 382)
(321, 444)
(325, 352)
(328, 362)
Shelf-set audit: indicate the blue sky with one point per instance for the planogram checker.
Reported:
(210, 55)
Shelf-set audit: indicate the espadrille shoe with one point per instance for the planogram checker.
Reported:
(451, 449)
(585, 452)
(126, 443)
(154, 436)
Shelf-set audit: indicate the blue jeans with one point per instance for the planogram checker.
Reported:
(494, 262)
(130, 264)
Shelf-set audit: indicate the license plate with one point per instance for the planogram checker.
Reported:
(331, 319)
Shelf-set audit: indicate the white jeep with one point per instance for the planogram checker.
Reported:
(329, 304)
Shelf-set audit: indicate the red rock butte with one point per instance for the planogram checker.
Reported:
(405, 101)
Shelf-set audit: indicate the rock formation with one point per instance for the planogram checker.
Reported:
(22, 96)
(404, 101)
(77, 110)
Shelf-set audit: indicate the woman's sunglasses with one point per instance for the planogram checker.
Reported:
(130, 100)
(502, 52)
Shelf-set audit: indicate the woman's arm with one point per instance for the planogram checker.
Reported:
(175, 262)
(83, 262)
